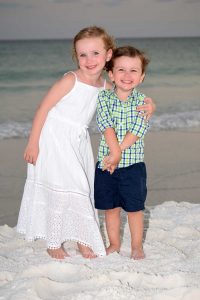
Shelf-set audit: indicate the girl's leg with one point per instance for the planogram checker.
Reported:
(135, 220)
(58, 253)
(112, 217)
(86, 251)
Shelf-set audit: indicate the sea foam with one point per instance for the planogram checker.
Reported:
(173, 121)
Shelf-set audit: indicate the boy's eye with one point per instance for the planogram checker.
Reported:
(82, 55)
(133, 70)
(120, 70)
(96, 53)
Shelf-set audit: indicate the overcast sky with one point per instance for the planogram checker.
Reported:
(32, 19)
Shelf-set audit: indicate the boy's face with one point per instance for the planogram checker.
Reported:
(127, 73)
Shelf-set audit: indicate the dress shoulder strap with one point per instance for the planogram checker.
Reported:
(73, 74)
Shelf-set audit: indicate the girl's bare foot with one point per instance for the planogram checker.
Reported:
(112, 249)
(58, 253)
(137, 253)
(86, 251)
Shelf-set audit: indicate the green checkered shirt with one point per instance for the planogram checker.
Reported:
(123, 117)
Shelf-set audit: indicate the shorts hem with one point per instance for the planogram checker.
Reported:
(134, 209)
(125, 209)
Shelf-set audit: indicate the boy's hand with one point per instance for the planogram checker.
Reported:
(109, 167)
(110, 162)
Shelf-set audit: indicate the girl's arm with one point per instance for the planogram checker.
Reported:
(149, 108)
(56, 92)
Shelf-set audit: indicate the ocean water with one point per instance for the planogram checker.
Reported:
(28, 69)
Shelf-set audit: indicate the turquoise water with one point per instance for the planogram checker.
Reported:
(28, 68)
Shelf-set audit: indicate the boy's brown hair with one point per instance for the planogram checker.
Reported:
(130, 52)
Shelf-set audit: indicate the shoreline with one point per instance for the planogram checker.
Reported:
(173, 169)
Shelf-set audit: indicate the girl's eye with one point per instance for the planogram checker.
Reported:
(133, 70)
(120, 70)
(96, 53)
(82, 55)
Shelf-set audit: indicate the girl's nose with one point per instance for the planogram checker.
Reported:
(89, 58)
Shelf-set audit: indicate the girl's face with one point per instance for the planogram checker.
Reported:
(92, 55)
(127, 73)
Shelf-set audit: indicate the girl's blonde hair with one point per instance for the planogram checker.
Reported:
(93, 31)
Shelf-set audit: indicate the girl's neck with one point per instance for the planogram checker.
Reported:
(94, 80)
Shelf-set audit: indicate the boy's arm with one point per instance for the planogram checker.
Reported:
(110, 162)
(113, 144)
(137, 130)
(106, 127)
(128, 141)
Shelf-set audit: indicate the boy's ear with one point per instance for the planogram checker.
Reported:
(142, 77)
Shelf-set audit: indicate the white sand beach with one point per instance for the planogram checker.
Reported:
(171, 269)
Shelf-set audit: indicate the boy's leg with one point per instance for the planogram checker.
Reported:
(136, 226)
(112, 217)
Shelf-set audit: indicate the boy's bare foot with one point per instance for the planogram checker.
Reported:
(112, 249)
(58, 253)
(86, 251)
(137, 253)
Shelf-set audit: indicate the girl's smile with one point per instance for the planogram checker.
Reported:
(92, 55)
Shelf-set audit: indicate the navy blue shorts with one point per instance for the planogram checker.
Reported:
(125, 188)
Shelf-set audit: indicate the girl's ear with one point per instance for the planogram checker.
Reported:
(109, 54)
(110, 74)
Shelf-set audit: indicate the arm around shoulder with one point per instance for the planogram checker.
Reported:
(149, 107)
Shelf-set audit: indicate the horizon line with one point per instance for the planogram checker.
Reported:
(120, 37)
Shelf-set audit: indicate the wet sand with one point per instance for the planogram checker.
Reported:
(172, 159)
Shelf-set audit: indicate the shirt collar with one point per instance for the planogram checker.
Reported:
(130, 97)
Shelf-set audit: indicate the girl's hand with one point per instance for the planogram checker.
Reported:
(31, 154)
(149, 107)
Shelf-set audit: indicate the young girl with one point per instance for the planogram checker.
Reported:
(58, 202)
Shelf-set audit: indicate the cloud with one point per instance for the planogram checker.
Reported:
(9, 4)
(14, 4)
(90, 2)
(186, 1)
(192, 1)
(165, 0)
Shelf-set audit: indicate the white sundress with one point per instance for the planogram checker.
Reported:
(57, 203)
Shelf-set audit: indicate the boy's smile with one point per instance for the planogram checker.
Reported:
(126, 74)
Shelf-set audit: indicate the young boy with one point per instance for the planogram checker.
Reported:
(120, 175)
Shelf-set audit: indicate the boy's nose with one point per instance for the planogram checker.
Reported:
(127, 74)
